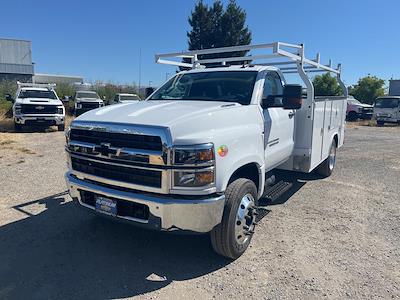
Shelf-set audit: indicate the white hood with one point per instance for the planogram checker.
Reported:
(188, 121)
(88, 100)
(38, 101)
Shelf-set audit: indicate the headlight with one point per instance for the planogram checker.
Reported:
(195, 178)
(194, 155)
(60, 110)
(67, 134)
(360, 109)
(78, 105)
(17, 109)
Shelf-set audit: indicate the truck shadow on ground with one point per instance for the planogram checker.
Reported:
(7, 126)
(67, 252)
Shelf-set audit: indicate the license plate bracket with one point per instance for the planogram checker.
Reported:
(106, 206)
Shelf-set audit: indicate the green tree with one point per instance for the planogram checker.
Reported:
(368, 89)
(326, 85)
(212, 26)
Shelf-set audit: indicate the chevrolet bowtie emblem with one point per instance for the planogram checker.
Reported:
(105, 149)
(39, 107)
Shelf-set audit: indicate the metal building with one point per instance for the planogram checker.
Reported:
(16, 60)
(51, 78)
(394, 87)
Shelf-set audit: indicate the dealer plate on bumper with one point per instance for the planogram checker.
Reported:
(106, 206)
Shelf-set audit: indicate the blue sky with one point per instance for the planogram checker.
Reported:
(101, 40)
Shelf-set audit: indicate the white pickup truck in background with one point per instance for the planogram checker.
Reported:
(199, 153)
(85, 101)
(37, 104)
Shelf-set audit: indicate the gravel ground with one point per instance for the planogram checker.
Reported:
(332, 238)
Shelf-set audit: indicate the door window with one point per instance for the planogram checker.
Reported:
(272, 88)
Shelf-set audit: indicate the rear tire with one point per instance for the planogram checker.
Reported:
(380, 123)
(233, 235)
(61, 127)
(326, 167)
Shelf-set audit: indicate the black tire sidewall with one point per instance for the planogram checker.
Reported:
(248, 187)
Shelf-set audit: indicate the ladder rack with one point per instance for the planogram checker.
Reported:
(48, 86)
(291, 56)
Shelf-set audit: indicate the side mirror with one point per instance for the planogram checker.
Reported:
(9, 98)
(65, 100)
(292, 96)
(149, 91)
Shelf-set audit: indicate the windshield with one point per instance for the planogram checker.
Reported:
(87, 95)
(37, 94)
(387, 103)
(128, 97)
(227, 86)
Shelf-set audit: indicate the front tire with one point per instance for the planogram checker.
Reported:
(380, 123)
(326, 167)
(17, 127)
(233, 235)
(61, 127)
(352, 116)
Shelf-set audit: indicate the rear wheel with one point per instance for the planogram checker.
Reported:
(233, 235)
(380, 123)
(326, 167)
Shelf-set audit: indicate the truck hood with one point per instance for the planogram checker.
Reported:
(88, 100)
(38, 101)
(188, 121)
(155, 113)
(364, 105)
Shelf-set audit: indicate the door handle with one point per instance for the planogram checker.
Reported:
(291, 114)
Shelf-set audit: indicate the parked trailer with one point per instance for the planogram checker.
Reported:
(201, 150)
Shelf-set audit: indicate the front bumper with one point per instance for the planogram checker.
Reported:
(365, 115)
(165, 212)
(31, 119)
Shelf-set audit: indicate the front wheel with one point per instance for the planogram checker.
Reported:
(326, 167)
(17, 127)
(233, 235)
(61, 127)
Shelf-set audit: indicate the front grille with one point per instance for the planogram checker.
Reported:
(89, 105)
(149, 178)
(124, 208)
(367, 109)
(121, 140)
(38, 109)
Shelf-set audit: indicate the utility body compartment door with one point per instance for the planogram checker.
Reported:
(278, 123)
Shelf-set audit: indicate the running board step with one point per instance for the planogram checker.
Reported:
(274, 192)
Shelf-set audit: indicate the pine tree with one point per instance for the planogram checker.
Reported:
(215, 27)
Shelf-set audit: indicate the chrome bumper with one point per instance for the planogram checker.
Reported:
(166, 213)
(21, 119)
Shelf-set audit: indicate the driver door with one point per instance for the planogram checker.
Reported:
(278, 123)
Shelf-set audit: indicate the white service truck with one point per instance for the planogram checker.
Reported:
(198, 154)
(37, 104)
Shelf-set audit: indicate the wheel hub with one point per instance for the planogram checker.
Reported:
(245, 219)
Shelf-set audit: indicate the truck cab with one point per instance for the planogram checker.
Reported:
(37, 104)
(126, 98)
(85, 101)
(387, 110)
(198, 154)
